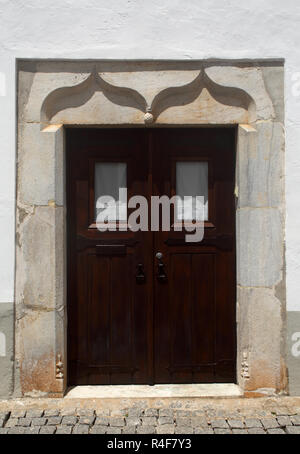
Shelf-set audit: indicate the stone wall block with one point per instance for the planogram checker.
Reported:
(260, 250)
(274, 82)
(6, 349)
(38, 255)
(41, 165)
(260, 329)
(36, 166)
(38, 79)
(293, 350)
(260, 163)
(250, 80)
(37, 353)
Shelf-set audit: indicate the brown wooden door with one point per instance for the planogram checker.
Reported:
(109, 312)
(127, 323)
(195, 306)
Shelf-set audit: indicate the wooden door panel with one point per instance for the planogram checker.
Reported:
(195, 308)
(109, 339)
(98, 323)
(186, 346)
(203, 276)
(111, 321)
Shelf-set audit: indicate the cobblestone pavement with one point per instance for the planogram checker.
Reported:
(42, 416)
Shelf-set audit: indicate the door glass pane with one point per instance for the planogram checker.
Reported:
(192, 181)
(109, 178)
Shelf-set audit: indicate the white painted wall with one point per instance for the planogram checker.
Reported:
(156, 29)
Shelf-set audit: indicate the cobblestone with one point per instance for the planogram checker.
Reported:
(183, 430)
(102, 421)
(296, 420)
(135, 412)
(166, 429)
(257, 431)
(146, 429)
(69, 420)
(203, 430)
(38, 421)
(149, 421)
(236, 424)
(87, 420)
(129, 430)
(47, 430)
(284, 421)
(270, 423)
(54, 420)
(198, 421)
(51, 413)
(151, 412)
(183, 422)
(133, 421)
(24, 422)
(275, 431)
(32, 430)
(81, 429)
(140, 419)
(117, 422)
(16, 430)
(253, 423)
(165, 420)
(98, 430)
(293, 430)
(222, 431)
(219, 424)
(12, 422)
(113, 430)
(64, 430)
(34, 413)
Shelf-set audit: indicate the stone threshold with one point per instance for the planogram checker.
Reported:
(156, 391)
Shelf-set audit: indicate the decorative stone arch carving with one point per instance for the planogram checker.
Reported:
(248, 95)
(152, 103)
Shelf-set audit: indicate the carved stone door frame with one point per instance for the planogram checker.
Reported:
(53, 94)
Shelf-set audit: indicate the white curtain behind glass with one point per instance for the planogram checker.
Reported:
(109, 177)
(192, 181)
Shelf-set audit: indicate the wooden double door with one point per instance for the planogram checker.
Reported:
(144, 306)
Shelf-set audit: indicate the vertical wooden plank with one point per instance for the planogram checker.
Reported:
(203, 320)
(98, 310)
(121, 325)
(181, 316)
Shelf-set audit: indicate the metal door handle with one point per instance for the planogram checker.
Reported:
(161, 274)
(140, 274)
